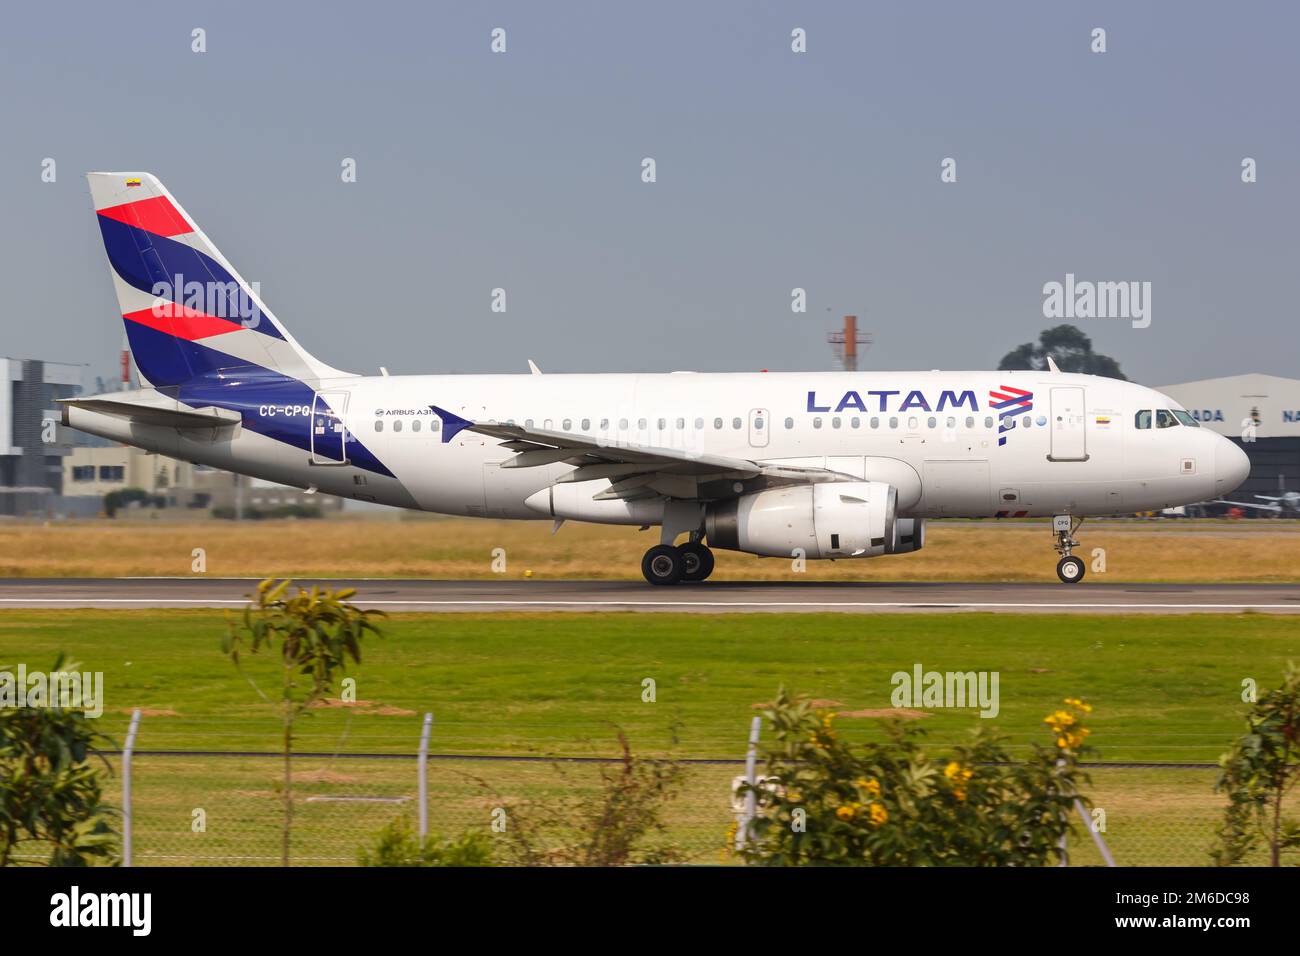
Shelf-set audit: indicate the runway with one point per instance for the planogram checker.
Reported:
(712, 597)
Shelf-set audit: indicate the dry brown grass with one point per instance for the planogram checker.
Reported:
(462, 548)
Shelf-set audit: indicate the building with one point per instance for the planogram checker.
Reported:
(33, 443)
(1261, 413)
(96, 471)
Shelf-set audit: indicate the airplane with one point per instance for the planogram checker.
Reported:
(817, 465)
(1287, 503)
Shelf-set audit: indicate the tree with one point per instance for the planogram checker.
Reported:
(50, 794)
(1259, 771)
(315, 632)
(1068, 347)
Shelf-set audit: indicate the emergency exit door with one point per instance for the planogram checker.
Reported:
(759, 426)
(1069, 437)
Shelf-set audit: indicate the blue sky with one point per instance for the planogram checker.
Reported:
(775, 170)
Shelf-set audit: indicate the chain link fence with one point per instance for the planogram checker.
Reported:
(218, 808)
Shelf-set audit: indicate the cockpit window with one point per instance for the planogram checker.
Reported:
(1165, 418)
(1143, 418)
(1186, 418)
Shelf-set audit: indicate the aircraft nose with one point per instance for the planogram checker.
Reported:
(1231, 466)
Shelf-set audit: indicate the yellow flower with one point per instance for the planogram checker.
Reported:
(952, 769)
(869, 784)
(878, 814)
(845, 813)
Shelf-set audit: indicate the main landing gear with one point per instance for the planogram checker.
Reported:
(669, 564)
(1069, 569)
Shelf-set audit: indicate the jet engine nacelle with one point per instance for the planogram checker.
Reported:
(834, 519)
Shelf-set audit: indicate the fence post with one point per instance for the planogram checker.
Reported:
(1096, 837)
(423, 763)
(126, 786)
(751, 799)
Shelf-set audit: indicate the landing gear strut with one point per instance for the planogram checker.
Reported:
(1069, 569)
(666, 564)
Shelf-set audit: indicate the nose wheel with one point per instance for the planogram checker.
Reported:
(1069, 569)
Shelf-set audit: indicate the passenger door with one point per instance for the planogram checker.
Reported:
(328, 431)
(1069, 437)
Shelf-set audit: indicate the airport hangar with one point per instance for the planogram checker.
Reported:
(1269, 403)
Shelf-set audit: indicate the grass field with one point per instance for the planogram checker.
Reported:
(1166, 689)
(1208, 551)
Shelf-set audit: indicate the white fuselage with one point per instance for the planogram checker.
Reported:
(1074, 446)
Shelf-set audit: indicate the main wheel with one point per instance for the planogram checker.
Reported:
(697, 561)
(662, 564)
(1070, 570)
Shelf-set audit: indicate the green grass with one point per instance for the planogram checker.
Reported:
(1165, 688)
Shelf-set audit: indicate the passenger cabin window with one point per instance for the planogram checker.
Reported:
(586, 424)
(717, 423)
(1165, 418)
(379, 425)
(415, 425)
(736, 423)
(699, 423)
(758, 423)
(1142, 419)
(397, 424)
(789, 423)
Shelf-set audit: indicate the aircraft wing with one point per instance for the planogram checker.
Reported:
(1249, 504)
(635, 470)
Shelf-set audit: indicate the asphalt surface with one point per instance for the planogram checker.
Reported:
(711, 597)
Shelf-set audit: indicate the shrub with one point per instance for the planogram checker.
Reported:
(894, 803)
(51, 796)
(1257, 773)
(616, 826)
(399, 845)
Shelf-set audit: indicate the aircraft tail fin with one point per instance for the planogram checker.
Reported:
(188, 313)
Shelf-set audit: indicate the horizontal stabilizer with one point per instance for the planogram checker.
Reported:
(146, 412)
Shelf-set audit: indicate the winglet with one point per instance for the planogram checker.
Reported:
(1051, 366)
(532, 367)
(452, 424)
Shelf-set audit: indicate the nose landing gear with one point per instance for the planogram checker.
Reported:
(1069, 569)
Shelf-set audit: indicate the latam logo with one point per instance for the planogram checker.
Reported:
(883, 400)
(1008, 403)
